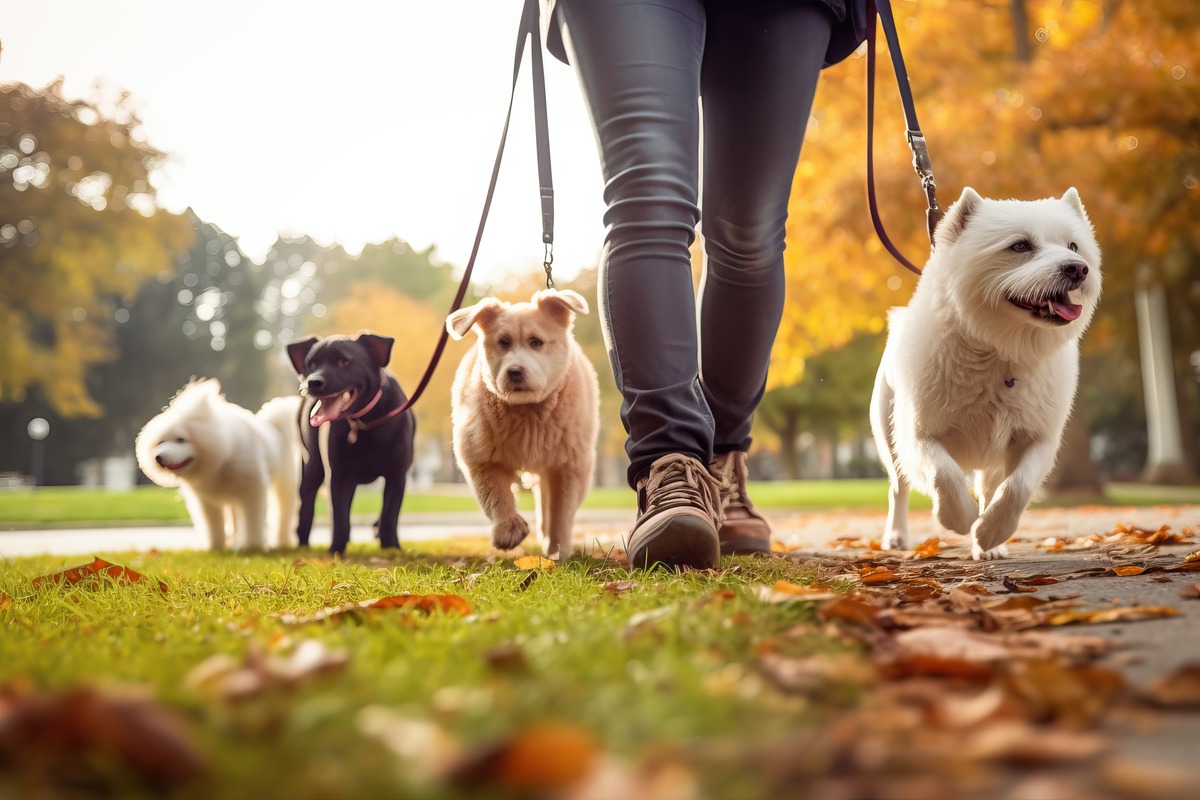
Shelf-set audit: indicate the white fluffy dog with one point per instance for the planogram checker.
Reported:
(229, 463)
(526, 400)
(980, 368)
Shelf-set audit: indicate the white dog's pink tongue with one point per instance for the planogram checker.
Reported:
(1067, 311)
(329, 408)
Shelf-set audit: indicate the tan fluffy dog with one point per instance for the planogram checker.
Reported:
(526, 400)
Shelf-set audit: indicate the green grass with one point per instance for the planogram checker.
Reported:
(62, 506)
(682, 682)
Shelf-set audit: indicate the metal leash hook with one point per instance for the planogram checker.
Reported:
(547, 262)
(924, 168)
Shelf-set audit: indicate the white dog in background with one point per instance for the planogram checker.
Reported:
(526, 401)
(229, 463)
(980, 368)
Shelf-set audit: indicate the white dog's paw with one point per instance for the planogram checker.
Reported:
(508, 533)
(979, 554)
(894, 540)
(955, 510)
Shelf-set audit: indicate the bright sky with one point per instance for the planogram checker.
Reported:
(351, 121)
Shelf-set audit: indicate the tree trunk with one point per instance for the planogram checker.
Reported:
(788, 457)
(1165, 462)
(1074, 473)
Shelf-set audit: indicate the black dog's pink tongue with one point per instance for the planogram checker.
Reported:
(329, 408)
(1067, 311)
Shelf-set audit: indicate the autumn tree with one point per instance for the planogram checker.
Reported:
(79, 231)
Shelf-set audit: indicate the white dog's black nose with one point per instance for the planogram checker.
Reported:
(516, 375)
(1074, 271)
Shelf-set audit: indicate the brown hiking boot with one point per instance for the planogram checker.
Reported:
(679, 509)
(743, 529)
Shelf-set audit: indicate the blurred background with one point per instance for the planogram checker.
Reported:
(185, 187)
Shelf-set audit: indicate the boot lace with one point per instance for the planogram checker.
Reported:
(679, 480)
(730, 469)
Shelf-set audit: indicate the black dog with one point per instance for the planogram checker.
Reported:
(345, 384)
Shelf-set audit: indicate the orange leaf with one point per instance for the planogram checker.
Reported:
(928, 548)
(1118, 614)
(542, 758)
(97, 566)
(5, 602)
(1191, 557)
(870, 574)
(534, 562)
(426, 603)
(1128, 570)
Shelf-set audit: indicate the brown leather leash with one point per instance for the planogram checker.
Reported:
(529, 28)
(916, 140)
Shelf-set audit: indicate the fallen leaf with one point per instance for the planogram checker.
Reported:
(1179, 689)
(527, 581)
(1190, 592)
(870, 574)
(814, 674)
(788, 592)
(545, 757)
(534, 562)
(928, 548)
(1190, 557)
(619, 588)
(507, 657)
(1021, 743)
(426, 603)
(97, 566)
(849, 609)
(5, 602)
(1128, 570)
(234, 680)
(1103, 615)
(1011, 585)
(71, 738)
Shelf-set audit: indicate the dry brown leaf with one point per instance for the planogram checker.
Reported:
(1103, 615)
(1126, 571)
(849, 608)
(97, 566)
(426, 603)
(780, 547)
(870, 574)
(618, 588)
(546, 757)
(508, 657)
(5, 602)
(815, 674)
(535, 562)
(1025, 744)
(1191, 557)
(75, 735)
(1179, 689)
(955, 643)
(232, 680)
(854, 543)
(788, 592)
(1190, 592)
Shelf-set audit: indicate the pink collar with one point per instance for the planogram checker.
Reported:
(368, 406)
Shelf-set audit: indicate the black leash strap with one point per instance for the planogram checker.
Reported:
(916, 139)
(531, 30)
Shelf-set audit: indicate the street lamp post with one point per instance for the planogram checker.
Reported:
(38, 429)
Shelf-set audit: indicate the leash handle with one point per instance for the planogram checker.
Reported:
(529, 28)
(881, 10)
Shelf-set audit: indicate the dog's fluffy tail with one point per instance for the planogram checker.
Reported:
(281, 413)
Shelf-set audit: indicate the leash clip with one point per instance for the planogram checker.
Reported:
(547, 262)
(924, 169)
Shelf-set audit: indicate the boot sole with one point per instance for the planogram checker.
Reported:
(677, 540)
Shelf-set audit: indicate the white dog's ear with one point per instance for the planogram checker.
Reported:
(1071, 198)
(461, 321)
(564, 299)
(955, 221)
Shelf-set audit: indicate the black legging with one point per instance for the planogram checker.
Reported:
(687, 387)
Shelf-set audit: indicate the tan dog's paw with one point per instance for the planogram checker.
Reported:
(508, 533)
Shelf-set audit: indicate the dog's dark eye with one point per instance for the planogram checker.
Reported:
(1023, 246)
(179, 440)
(535, 343)
(343, 363)
(1074, 247)
(504, 342)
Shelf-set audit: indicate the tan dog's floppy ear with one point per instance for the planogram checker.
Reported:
(461, 321)
(298, 351)
(955, 221)
(563, 299)
(379, 348)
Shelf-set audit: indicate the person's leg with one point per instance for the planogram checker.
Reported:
(639, 67)
(761, 64)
